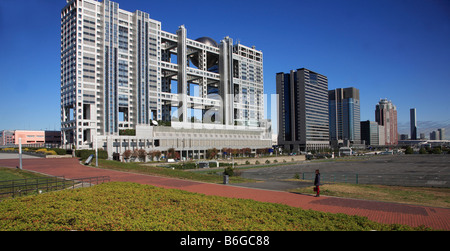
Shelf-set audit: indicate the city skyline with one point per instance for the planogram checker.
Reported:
(399, 53)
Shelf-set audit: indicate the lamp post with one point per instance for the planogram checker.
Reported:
(20, 153)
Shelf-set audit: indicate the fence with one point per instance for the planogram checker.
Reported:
(20, 187)
(419, 180)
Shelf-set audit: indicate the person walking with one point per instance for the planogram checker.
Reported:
(317, 183)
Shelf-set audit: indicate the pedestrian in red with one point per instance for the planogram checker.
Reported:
(317, 183)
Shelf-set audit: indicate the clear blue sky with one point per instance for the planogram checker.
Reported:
(394, 49)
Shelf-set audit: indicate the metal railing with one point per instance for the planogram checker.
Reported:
(419, 180)
(19, 187)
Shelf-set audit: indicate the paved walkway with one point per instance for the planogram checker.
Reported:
(437, 218)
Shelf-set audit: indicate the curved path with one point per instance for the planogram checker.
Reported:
(383, 212)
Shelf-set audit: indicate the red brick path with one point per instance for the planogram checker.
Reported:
(437, 218)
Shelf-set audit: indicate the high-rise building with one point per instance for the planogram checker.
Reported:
(441, 133)
(344, 114)
(386, 115)
(121, 72)
(302, 110)
(413, 123)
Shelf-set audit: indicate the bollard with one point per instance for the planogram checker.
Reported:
(225, 179)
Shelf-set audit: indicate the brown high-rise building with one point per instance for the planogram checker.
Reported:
(386, 115)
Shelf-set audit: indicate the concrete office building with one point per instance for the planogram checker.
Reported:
(413, 123)
(386, 115)
(302, 110)
(344, 114)
(120, 70)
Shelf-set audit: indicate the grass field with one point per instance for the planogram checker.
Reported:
(131, 206)
(15, 174)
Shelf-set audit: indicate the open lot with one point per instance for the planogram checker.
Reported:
(406, 170)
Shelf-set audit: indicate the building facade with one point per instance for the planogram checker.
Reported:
(120, 71)
(344, 114)
(386, 115)
(302, 110)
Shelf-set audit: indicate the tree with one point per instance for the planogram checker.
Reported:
(409, 150)
(422, 151)
(127, 154)
(211, 153)
(171, 153)
(142, 154)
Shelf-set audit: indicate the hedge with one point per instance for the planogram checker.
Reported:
(84, 154)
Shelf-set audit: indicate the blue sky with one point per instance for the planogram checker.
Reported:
(394, 49)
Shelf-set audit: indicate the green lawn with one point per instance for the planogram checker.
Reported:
(131, 206)
(426, 196)
(15, 174)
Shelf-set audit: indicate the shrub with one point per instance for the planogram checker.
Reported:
(267, 162)
(42, 150)
(247, 162)
(50, 152)
(84, 154)
(228, 171)
(59, 151)
(127, 154)
(257, 162)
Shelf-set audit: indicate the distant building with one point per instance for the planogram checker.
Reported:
(386, 115)
(369, 132)
(403, 136)
(441, 133)
(413, 123)
(303, 110)
(6, 137)
(422, 135)
(36, 138)
(434, 135)
(344, 114)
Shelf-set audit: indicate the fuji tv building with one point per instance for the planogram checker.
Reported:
(126, 84)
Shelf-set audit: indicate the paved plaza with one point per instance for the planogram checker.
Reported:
(434, 170)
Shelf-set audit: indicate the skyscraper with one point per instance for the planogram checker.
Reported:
(441, 133)
(344, 114)
(386, 115)
(303, 110)
(121, 71)
(413, 123)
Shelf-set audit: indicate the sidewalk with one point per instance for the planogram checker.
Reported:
(383, 212)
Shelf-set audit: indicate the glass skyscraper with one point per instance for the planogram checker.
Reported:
(344, 114)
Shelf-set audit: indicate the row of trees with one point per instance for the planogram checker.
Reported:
(212, 153)
(428, 150)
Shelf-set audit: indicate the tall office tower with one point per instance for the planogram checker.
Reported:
(344, 114)
(386, 115)
(302, 110)
(413, 123)
(120, 70)
(441, 133)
